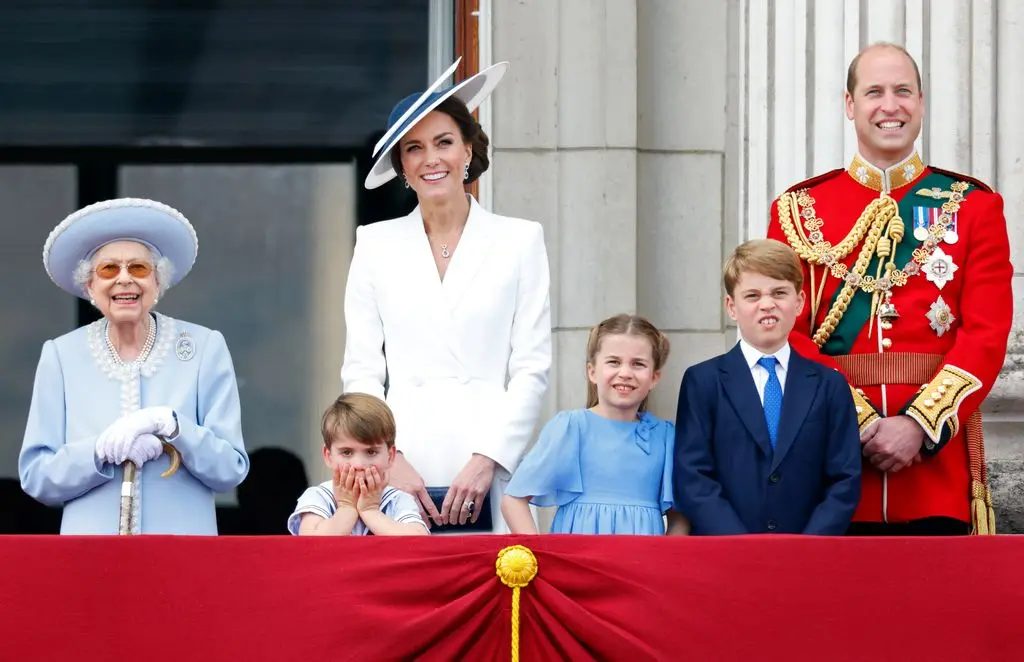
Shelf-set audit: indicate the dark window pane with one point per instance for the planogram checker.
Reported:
(206, 72)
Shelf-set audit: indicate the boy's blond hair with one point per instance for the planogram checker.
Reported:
(362, 417)
(767, 257)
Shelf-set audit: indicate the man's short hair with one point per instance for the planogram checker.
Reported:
(851, 73)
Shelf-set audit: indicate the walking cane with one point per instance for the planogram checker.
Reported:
(125, 522)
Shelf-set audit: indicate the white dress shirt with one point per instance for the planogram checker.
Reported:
(759, 373)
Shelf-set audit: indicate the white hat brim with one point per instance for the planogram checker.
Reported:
(77, 237)
(472, 92)
(416, 104)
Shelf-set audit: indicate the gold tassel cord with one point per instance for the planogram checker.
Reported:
(852, 282)
(870, 226)
(983, 514)
(886, 251)
(516, 567)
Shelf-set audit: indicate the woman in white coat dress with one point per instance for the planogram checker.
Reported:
(450, 307)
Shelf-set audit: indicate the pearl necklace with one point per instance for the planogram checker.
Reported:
(146, 348)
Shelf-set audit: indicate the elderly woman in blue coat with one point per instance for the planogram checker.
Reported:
(119, 403)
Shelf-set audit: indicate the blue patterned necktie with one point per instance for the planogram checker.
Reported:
(772, 397)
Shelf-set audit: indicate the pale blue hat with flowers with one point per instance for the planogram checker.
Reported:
(415, 107)
(162, 228)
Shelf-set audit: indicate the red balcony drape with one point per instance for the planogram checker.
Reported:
(595, 598)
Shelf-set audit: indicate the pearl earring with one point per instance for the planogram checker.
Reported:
(92, 301)
(156, 300)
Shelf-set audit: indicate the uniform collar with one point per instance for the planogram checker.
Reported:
(890, 179)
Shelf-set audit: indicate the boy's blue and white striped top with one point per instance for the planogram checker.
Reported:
(319, 500)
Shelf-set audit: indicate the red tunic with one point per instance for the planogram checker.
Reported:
(964, 359)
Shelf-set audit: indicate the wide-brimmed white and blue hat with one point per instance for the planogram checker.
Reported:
(415, 107)
(163, 229)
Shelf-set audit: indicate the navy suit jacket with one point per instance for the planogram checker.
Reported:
(727, 478)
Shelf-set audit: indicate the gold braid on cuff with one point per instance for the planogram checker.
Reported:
(938, 402)
(866, 412)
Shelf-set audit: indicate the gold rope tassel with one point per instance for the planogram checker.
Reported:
(991, 512)
(983, 515)
(516, 567)
(980, 512)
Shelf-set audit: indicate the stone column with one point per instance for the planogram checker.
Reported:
(564, 136)
(684, 141)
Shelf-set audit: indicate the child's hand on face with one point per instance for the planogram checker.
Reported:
(371, 485)
(346, 487)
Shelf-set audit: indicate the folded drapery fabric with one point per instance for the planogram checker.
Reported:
(439, 598)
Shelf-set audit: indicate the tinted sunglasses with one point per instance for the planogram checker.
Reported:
(135, 269)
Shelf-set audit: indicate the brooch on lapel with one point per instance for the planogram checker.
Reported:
(940, 317)
(185, 348)
(939, 268)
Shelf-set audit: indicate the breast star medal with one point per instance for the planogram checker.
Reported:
(940, 317)
(940, 268)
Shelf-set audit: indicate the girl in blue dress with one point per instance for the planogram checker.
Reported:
(608, 468)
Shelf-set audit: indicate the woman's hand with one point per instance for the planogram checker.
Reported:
(469, 487)
(403, 477)
(146, 447)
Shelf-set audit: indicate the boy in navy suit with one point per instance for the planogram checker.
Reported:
(766, 440)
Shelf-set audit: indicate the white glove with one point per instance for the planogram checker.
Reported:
(106, 445)
(146, 447)
(114, 443)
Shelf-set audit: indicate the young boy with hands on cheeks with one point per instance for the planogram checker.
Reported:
(359, 447)
(766, 440)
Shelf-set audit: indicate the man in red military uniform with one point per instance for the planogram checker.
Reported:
(907, 279)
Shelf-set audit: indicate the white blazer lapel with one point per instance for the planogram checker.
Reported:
(411, 262)
(470, 255)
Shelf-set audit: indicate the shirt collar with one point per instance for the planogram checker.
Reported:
(752, 355)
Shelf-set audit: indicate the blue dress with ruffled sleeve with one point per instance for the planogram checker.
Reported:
(605, 476)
